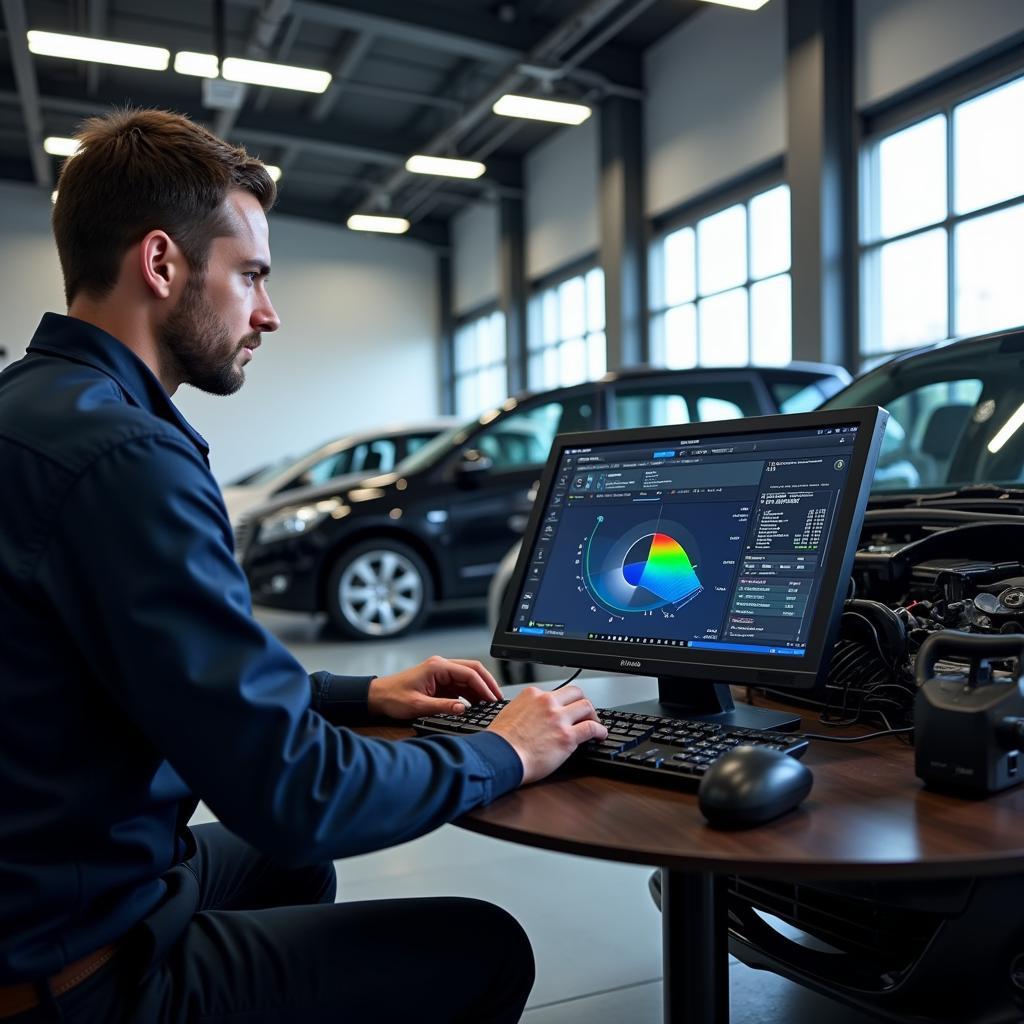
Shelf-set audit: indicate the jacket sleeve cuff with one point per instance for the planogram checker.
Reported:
(499, 756)
(342, 700)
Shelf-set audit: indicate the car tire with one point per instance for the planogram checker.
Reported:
(379, 590)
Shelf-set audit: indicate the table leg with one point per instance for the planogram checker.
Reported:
(695, 948)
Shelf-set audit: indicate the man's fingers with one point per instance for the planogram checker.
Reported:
(469, 679)
(481, 670)
(439, 706)
(588, 729)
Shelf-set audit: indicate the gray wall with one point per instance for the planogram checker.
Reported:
(716, 101)
(902, 42)
(561, 198)
(474, 236)
(358, 346)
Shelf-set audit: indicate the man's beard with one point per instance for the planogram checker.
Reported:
(199, 346)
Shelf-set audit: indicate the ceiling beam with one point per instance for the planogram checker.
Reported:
(261, 34)
(349, 58)
(96, 22)
(268, 131)
(428, 37)
(323, 147)
(284, 49)
(28, 90)
(390, 92)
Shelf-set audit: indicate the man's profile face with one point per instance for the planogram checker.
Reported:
(216, 326)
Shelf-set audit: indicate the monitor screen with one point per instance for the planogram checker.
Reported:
(686, 550)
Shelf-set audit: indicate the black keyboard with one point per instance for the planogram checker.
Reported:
(645, 748)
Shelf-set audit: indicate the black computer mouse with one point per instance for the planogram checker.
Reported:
(749, 785)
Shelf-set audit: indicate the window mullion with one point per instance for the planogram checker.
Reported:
(950, 230)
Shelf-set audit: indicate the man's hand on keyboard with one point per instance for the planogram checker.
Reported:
(546, 726)
(432, 688)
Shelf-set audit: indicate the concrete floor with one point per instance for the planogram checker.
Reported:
(595, 931)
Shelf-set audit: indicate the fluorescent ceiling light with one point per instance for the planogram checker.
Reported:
(99, 51)
(55, 145)
(202, 65)
(746, 5)
(385, 225)
(1007, 430)
(252, 72)
(534, 109)
(273, 170)
(446, 166)
(282, 76)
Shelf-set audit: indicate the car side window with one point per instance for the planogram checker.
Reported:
(796, 399)
(649, 409)
(523, 438)
(328, 468)
(414, 442)
(923, 434)
(684, 401)
(711, 408)
(373, 456)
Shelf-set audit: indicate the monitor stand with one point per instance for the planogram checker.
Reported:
(710, 702)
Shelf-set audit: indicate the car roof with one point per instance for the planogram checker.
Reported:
(969, 349)
(437, 424)
(811, 371)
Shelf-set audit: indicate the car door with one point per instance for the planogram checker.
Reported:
(492, 477)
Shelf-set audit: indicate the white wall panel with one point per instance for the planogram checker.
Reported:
(562, 215)
(474, 233)
(716, 101)
(902, 42)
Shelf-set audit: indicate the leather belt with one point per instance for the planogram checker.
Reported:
(15, 999)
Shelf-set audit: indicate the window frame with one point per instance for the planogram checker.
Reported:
(889, 118)
(551, 281)
(739, 190)
(481, 312)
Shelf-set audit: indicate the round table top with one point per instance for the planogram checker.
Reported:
(867, 816)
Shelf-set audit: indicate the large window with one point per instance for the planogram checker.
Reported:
(481, 377)
(566, 339)
(720, 287)
(942, 224)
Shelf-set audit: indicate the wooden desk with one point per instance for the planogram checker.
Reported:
(867, 817)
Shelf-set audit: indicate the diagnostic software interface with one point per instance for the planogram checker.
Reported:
(716, 544)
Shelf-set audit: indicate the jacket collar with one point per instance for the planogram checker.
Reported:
(69, 338)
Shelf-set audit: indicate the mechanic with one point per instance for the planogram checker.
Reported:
(135, 681)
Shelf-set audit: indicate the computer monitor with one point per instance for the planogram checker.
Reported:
(705, 554)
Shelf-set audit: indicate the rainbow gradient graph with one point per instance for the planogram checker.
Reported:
(643, 574)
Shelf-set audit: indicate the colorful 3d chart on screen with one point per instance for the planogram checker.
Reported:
(647, 569)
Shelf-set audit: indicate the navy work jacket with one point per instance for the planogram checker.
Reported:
(134, 679)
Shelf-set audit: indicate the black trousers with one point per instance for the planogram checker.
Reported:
(268, 944)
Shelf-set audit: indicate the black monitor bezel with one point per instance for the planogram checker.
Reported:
(692, 663)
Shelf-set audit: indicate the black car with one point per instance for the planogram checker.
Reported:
(377, 557)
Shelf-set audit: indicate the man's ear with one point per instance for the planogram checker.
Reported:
(160, 263)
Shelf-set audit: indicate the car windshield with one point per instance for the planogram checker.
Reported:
(955, 415)
(433, 449)
(276, 468)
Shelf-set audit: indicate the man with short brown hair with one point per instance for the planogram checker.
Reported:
(134, 679)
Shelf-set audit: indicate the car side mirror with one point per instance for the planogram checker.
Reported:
(471, 465)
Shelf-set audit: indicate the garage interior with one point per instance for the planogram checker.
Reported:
(821, 136)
